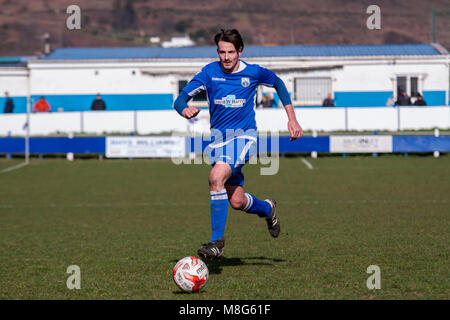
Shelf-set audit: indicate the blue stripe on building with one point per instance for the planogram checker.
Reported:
(20, 104)
(379, 98)
(114, 102)
(434, 98)
(128, 102)
(361, 99)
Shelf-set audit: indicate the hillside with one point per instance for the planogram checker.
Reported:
(131, 22)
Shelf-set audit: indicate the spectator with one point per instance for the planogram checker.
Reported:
(328, 102)
(273, 101)
(265, 101)
(403, 99)
(98, 103)
(268, 101)
(42, 105)
(420, 101)
(9, 104)
(390, 101)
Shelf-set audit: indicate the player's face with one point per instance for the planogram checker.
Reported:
(229, 56)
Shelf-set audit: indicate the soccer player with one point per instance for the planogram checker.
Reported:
(230, 84)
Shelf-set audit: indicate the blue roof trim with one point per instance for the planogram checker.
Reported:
(250, 51)
(14, 61)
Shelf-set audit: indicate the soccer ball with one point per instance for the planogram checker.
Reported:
(190, 274)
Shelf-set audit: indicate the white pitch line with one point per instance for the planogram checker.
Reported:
(309, 165)
(17, 166)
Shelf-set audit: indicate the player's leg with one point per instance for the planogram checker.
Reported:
(246, 148)
(219, 198)
(236, 196)
(240, 200)
(219, 210)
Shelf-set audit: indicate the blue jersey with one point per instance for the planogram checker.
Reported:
(231, 96)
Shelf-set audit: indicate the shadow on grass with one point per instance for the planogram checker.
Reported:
(179, 292)
(215, 266)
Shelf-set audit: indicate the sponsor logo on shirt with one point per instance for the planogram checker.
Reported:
(230, 101)
(218, 79)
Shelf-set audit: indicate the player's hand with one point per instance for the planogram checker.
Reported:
(190, 112)
(294, 129)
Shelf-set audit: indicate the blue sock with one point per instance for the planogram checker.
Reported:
(219, 211)
(260, 207)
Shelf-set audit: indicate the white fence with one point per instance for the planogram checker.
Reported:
(154, 122)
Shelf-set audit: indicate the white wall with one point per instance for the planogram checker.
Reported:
(161, 121)
(378, 77)
(99, 122)
(13, 80)
(12, 124)
(357, 74)
(361, 119)
(424, 118)
(47, 123)
(309, 119)
(154, 122)
(114, 80)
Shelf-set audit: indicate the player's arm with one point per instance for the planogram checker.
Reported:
(194, 87)
(269, 78)
(182, 107)
(295, 130)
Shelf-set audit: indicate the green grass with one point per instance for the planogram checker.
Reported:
(126, 223)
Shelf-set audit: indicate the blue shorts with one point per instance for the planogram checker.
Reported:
(236, 151)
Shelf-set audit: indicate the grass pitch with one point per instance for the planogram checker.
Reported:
(125, 223)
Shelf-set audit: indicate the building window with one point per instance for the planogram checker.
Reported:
(408, 83)
(312, 91)
(401, 85)
(414, 86)
(199, 97)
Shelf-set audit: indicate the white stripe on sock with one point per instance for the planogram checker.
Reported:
(249, 202)
(218, 192)
(220, 197)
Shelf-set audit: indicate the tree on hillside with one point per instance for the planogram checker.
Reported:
(124, 16)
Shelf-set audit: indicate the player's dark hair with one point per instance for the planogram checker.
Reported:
(230, 35)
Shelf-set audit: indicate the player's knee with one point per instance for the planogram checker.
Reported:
(238, 203)
(216, 181)
(218, 175)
